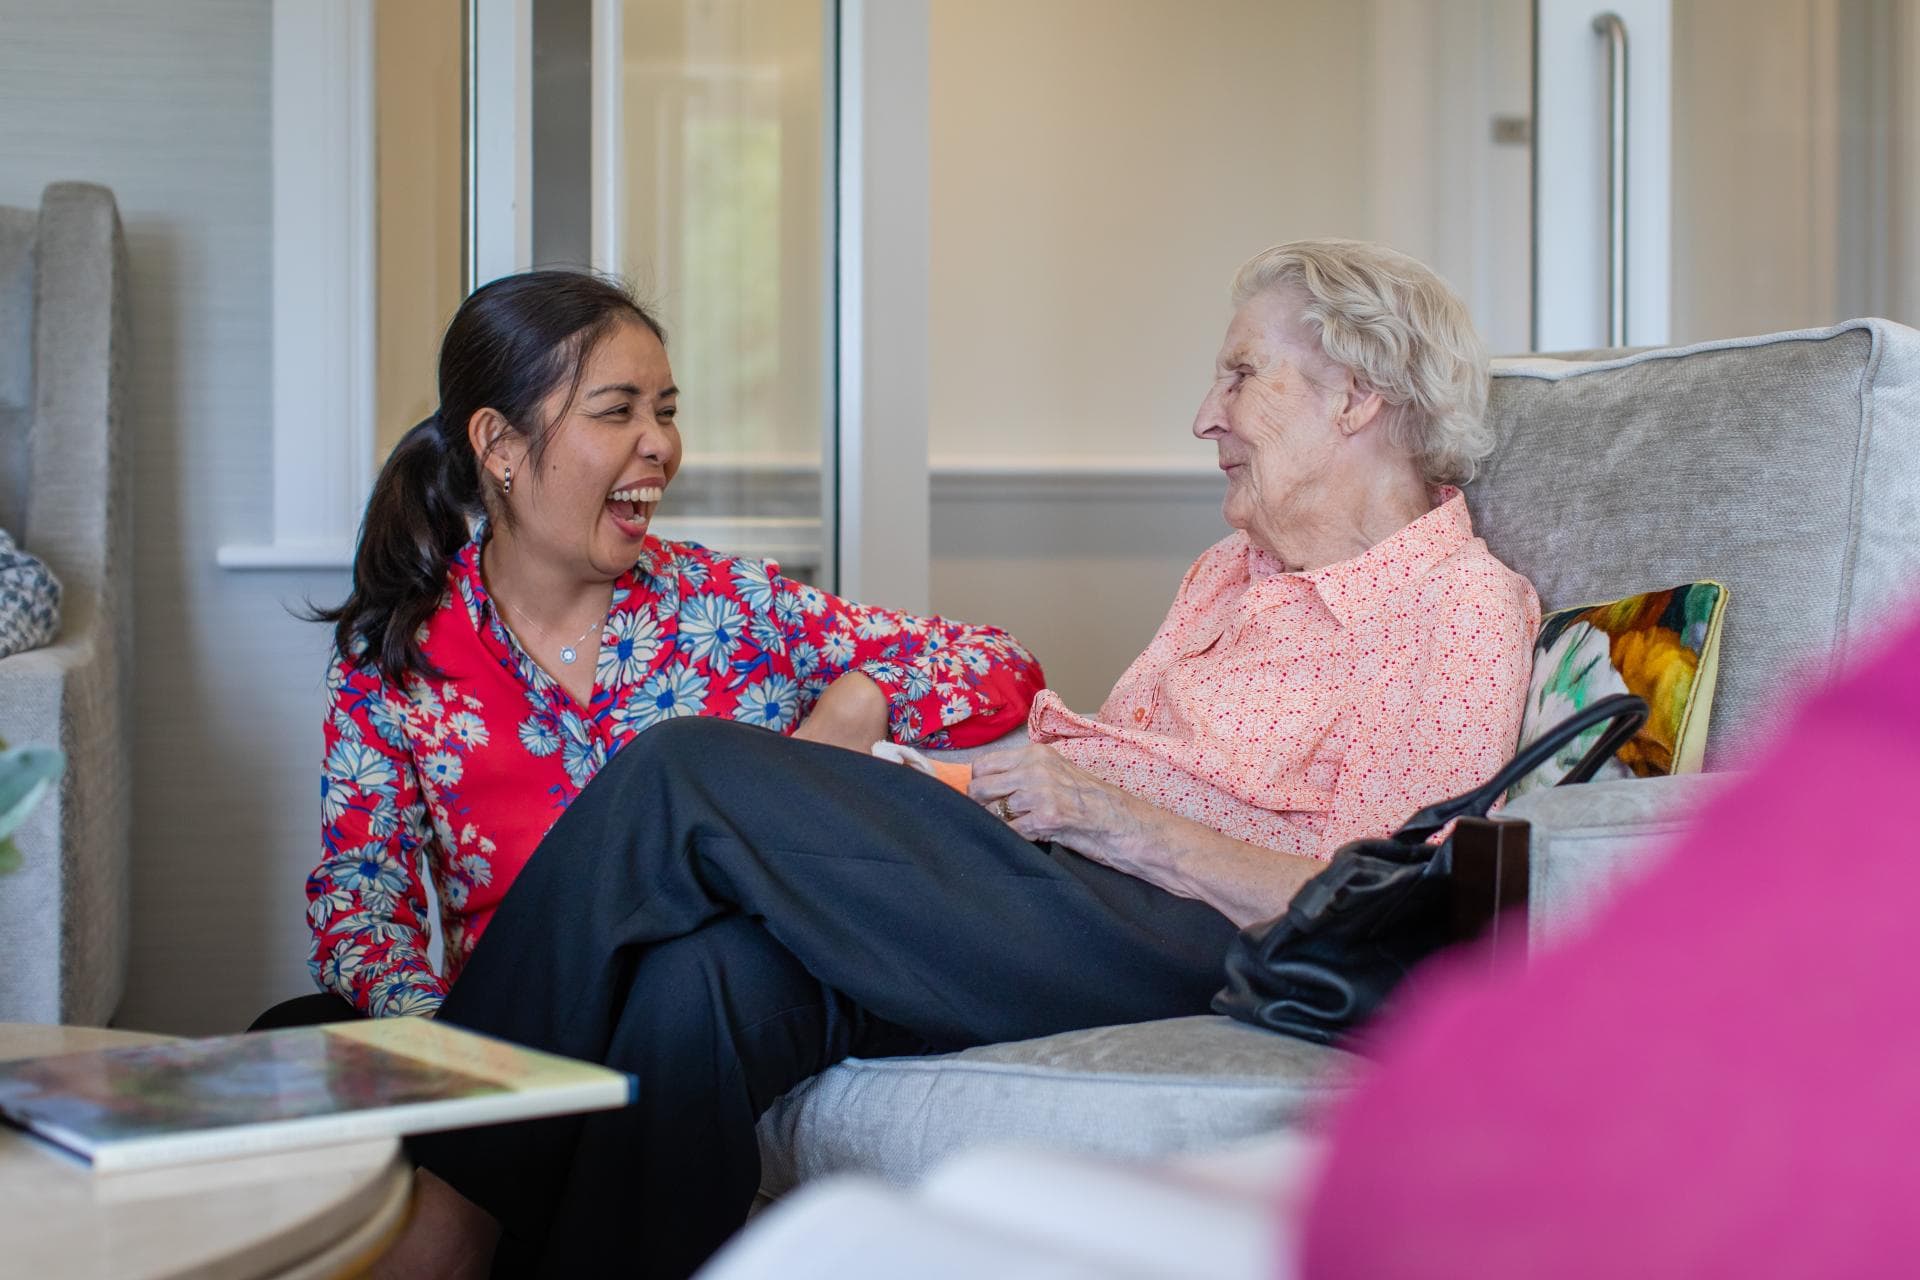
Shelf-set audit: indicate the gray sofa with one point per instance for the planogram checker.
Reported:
(63, 495)
(1786, 467)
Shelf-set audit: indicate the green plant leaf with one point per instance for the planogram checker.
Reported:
(26, 774)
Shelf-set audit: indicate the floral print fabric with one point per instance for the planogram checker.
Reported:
(29, 600)
(467, 773)
(1662, 645)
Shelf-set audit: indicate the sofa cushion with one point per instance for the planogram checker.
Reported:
(1182, 1084)
(1588, 842)
(1786, 467)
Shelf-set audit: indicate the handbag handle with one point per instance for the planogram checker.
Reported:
(1626, 712)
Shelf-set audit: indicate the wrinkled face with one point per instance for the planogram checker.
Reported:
(606, 462)
(1271, 414)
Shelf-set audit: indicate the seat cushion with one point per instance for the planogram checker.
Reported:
(1786, 467)
(1145, 1089)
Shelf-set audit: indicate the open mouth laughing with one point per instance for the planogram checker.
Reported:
(631, 506)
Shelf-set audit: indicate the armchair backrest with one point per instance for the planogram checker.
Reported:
(76, 514)
(1786, 467)
(18, 230)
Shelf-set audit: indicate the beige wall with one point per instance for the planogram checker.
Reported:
(1752, 177)
(418, 55)
(1796, 132)
(1099, 169)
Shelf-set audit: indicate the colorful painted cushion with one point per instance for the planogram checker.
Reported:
(1664, 646)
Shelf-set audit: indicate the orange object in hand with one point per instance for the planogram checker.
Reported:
(954, 773)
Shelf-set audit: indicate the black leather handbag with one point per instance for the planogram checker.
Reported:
(1355, 930)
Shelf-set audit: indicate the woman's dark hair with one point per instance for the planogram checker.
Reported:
(511, 343)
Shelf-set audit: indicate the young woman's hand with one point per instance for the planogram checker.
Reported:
(852, 713)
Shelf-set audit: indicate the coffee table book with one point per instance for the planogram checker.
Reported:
(193, 1100)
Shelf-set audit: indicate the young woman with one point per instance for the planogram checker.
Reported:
(513, 624)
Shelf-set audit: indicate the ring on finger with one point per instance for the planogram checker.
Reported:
(1002, 810)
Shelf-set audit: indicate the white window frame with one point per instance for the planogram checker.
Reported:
(324, 260)
(874, 534)
(323, 285)
(501, 149)
(884, 540)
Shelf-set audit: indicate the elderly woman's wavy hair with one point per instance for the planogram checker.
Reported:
(1401, 331)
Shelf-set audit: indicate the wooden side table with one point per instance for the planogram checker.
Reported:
(300, 1215)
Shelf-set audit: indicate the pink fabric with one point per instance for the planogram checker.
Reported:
(1721, 1077)
(1300, 710)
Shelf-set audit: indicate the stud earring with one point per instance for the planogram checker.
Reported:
(506, 480)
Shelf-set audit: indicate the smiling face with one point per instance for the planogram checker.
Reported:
(609, 455)
(1273, 412)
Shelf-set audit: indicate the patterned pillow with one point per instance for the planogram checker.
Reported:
(29, 600)
(1664, 646)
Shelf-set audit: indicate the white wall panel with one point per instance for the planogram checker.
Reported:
(168, 105)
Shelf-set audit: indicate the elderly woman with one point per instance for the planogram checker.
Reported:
(724, 913)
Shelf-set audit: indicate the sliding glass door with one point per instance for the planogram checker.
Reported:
(687, 146)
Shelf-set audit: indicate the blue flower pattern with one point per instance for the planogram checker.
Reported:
(418, 780)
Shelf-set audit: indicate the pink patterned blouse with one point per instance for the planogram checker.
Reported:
(1301, 710)
(471, 771)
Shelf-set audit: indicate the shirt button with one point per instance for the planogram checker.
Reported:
(1139, 715)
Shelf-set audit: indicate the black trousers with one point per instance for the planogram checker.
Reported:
(723, 913)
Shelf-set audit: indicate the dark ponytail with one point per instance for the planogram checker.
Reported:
(511, 345)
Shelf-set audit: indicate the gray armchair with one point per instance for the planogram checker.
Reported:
(64, 494)
(1786, 467)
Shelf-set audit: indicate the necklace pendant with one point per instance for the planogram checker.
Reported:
(567, 655)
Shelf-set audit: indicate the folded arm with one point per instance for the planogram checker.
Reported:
(939, 682)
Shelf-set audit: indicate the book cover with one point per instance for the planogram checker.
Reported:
(188, 1100)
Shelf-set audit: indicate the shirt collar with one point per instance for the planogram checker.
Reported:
(1351, 589)
(470, 586)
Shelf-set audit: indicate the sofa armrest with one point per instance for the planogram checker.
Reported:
(64, 911)
(1588, 840)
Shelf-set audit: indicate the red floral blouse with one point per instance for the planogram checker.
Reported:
(468, 773)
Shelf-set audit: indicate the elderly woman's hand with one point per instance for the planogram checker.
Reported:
(1044, 796)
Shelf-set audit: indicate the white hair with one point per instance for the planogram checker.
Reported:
(1399, 330)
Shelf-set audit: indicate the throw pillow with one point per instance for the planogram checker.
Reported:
(29, 600)
(1664, 646)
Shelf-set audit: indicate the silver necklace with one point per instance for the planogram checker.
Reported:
(569, 654)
